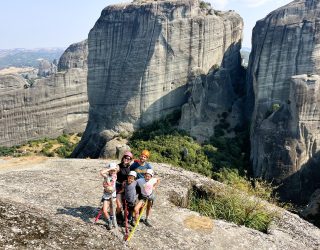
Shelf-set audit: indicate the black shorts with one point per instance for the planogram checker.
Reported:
(149, 198)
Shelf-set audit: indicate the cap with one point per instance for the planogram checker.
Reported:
(150, 172)
(133, 173)
(128, 153)
(112, 166)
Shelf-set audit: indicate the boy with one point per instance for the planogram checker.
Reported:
(142, 165)
(147, 185)
(130, 194)
(109, 185)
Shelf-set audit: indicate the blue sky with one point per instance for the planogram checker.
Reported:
(59, 23)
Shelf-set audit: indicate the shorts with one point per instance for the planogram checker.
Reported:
(108, 196)
(151, 197)
(107, 199)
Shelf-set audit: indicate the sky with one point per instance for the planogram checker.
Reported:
(59, 23)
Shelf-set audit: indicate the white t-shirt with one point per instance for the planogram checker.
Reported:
(147, 187)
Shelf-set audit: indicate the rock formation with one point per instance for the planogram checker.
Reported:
(141, 56)
(46, 68)
(43, 205)
(46, 107)
(214, 98)
(75, 56)
(284, 77)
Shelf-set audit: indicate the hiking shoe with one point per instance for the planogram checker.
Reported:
(120, 218)
(146, 222)
(132, 223)
(108, 226)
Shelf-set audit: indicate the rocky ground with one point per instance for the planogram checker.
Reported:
(50, 203)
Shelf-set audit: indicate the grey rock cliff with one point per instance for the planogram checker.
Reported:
(140, 58)
(46, 108)
(284, 77)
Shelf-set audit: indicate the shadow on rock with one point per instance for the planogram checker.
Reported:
(85, 213)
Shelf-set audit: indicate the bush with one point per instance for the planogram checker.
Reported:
(204, 5)
(230, 152)
(8, 151)
(234, 207)
(63, 139)
(256, 187)
(275, 107)
(61, 146)
(177, 149)
(171, 145)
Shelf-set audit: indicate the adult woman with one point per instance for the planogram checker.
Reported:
(124, 169)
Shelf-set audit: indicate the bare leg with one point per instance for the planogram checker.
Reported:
(105, 209)
(137, 210)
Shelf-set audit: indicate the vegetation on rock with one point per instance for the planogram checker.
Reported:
(233, 206)
(61, 147)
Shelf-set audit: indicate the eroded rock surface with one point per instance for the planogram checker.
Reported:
(46, 107)
(140, 58)
(52, 203)
(284, 75)
(75, 56)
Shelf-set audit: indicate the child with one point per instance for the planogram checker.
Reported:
(147, 185)
(130, 194)
(109, 185)
(142, 165)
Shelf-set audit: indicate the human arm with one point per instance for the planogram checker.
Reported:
(156, 184)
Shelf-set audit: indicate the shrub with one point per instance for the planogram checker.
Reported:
(63, 139)
(171, 145)
(179, 150)
(204, 5)
(256, 187)
(234, 207)
(7, 151)
(275, 107)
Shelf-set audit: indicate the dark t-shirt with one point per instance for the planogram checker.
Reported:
(130, 191)
(122, 175)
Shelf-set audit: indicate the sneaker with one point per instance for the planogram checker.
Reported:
(108, 226)
(120, 218)
(114, 223)
(141, 220)
(146, 222)
(132, 223)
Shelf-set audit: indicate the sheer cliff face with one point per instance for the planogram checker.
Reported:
(283, 72)
(47, 108)
(140, 58)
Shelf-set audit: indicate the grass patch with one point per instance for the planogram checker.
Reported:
(234, 207)
(256, 187)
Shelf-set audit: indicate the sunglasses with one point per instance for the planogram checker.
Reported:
(127, 158)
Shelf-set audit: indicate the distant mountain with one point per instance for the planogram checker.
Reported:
(27, 57)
